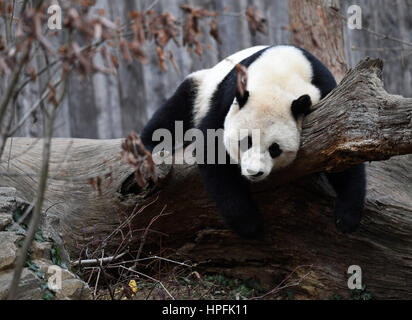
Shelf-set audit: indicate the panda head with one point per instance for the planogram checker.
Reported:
(262, 130)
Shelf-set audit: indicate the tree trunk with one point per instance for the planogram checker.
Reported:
(317, 26)
(112, 212)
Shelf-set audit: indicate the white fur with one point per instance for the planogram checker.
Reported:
(209, 79)
(280, 76)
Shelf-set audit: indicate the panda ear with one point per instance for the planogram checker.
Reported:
(242, 100)
(301, 106)
(242, 95)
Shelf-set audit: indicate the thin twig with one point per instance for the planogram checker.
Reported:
(153, 258)
(40, 195)
(104, 276)
(32, 109)
(152, 5)
(91, 262)
(143, 239)
(97, 283)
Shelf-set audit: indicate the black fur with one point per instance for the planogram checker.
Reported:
(350, 187)
(231, 193)
(224, 183)
(322, 77)
(301, 106)
(178, 108)
(242, 100)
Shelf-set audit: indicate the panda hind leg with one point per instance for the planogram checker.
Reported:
(350, 187)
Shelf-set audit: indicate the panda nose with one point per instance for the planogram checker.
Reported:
(254, 174)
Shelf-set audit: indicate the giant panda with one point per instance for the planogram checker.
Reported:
(283, 83)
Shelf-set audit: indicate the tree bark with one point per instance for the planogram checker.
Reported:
(358, 122)
(316, 26)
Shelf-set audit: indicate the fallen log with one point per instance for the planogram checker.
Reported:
(93, 200)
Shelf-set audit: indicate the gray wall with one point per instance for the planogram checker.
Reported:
(112, 106)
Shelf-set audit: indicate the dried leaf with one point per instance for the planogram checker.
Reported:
(115, 61)
(242, 78)
(138, 26)
(96, 184)
(124, 49)
(52, 94)
(138, 52)
(191, 28)
(199, 50)
(32, 74)
(140, 159)
(256, 21)
(214, 30)
(163, 28)
(162, 58)
(9, 8)
(174, 63)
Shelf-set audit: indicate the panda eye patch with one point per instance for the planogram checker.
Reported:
(246, 143)
(275, 150)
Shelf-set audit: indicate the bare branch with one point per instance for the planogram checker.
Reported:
(44, 174)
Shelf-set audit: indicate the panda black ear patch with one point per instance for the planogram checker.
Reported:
(242, 100)
(301, 106)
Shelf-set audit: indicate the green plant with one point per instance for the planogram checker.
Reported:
(361, 294)
(55, 255)
(47, 293)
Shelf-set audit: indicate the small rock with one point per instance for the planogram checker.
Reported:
(71, 287)
(32, 284)
(29, 287)
(17, 229)
(8, 249)
(5, 220)
(40, 250)
(7, 192)
(9, 202)
(7, 205)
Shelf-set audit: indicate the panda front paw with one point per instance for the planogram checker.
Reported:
(248, 227)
